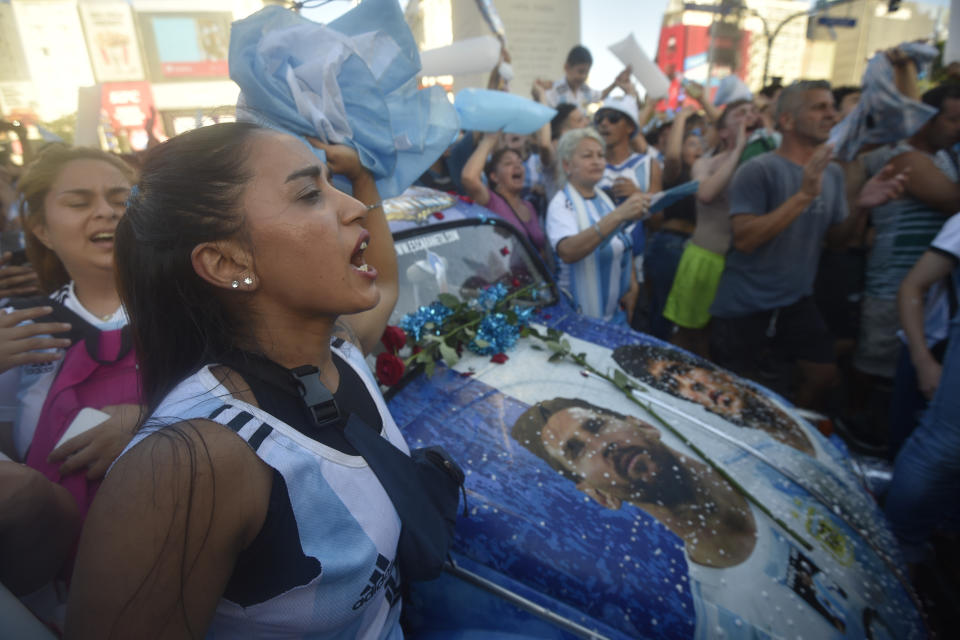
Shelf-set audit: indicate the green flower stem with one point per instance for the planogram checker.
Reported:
(500, 306)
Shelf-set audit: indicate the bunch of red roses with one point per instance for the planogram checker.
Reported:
(390, 366)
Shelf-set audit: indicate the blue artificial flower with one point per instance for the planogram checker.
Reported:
(489, 297)
(498, 334)
(413, 323)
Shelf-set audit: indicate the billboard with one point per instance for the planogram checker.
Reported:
(112, 41)
(186, 46)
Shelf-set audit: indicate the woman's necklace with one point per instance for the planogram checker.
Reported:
(517, 212)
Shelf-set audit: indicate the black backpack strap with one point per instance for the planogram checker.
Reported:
(301, 384)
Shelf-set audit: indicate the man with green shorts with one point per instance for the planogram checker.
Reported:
(698, 274)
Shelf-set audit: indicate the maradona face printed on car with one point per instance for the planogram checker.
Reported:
(615, 458)
(685, 376)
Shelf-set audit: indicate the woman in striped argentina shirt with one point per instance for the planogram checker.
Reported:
(589, 234)
(232, 514)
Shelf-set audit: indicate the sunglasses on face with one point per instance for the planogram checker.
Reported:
(613, 117)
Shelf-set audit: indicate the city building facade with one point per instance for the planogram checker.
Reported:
(112, 61)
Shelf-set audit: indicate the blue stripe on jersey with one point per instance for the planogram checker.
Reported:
(636, 168)
(599, 280)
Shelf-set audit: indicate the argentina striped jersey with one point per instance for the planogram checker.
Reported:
(599, 280)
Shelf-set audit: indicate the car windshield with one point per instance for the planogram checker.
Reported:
(462, 258)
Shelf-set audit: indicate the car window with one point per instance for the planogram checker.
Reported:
(461, 259)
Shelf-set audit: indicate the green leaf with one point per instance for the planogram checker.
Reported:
(553, 345)
(449, 355)
(620, 379)
(448, 300)
(511, 316)
(557, 356)
(566, 344)
(536, 347)
(481, 343)
(429, 367)
(431, 337)
(470, 333)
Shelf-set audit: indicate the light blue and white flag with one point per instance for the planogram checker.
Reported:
(351, 82)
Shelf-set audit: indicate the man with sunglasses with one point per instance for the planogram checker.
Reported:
(627, 171)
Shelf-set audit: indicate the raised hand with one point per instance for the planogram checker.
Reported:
(741, 140)
(341, 159)
(882, 187)
(814, 168)
(635, 207)
(693, 89)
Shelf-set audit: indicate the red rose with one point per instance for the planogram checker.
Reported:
(515, 282)
(393, 338)
(389, 369)
(499, 358)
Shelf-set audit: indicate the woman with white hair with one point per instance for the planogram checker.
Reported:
(589, 234)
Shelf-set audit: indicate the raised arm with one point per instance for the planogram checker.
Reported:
(472, 175)
(544, 146)
(932, 267)
(926, 183)
(904, 73)
(881, 188)
(623, 78)
(695, 91)
(714, 185)
(161, 540)
(364, 329)
(496, 82)
(672, 155)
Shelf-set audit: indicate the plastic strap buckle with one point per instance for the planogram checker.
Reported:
(321, 402)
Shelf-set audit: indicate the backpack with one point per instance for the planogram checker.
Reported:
(98, 369)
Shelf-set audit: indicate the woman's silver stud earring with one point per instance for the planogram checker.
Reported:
(248, 281)
(235, 284)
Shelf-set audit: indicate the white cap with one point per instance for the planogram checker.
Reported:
(626, 105)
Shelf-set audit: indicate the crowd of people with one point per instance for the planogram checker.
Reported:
(833, 282)
(154, 293)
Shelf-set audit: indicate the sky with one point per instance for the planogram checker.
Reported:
(596, 28)
(602, 22)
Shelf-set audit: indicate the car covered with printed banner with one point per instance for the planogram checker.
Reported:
(617, 487)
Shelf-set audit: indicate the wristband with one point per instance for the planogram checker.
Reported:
(596, 227)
